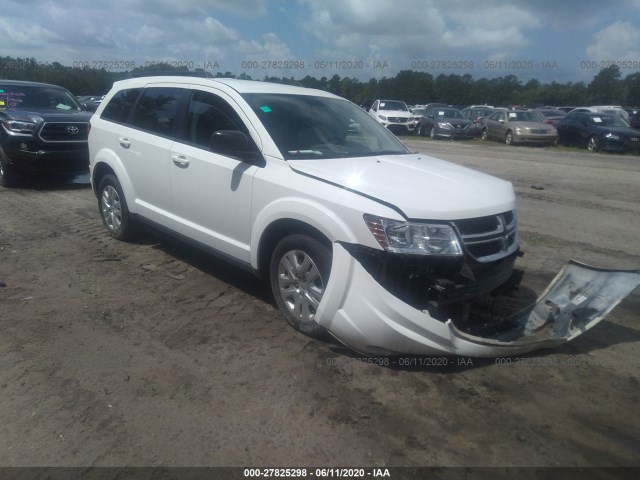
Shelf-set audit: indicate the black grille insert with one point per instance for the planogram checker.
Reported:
(64, 132)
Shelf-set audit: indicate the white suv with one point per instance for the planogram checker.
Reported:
(394, 115)
(358, 237)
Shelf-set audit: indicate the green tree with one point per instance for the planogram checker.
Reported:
(606, 88)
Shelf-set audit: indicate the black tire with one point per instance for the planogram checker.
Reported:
(484, 135)
(508, 138)
(298, 273)
(113, 209)
(432, 132)
(420, 130)
(8, 177)
(593, 144)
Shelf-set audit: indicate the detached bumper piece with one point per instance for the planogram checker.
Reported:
(577, 299)
(377, 319)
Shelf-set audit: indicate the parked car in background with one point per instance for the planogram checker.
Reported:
(90, 102)
(604, 109)
(611, 109)
(551, 117)
(518, 126)
(44, 130)
(418, 112)
(394, 115)
(565, 109)
(477, 114)
(440, 122)
(366, 105)
(598, 132)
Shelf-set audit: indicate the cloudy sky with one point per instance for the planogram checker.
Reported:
(551, 40)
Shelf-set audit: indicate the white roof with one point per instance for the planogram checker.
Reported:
(240, 86)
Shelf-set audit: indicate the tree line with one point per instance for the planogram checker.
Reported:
(606, 88)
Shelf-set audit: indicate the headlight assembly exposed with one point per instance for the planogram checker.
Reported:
(414, 238)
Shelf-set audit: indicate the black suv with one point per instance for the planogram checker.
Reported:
(44, 129)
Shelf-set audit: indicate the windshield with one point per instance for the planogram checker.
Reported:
(37, 98)
(608, 121)
(447, 113)
(304, 126)
(393, 105)
(524, 117)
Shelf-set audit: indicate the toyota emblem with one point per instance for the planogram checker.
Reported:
(73, 130)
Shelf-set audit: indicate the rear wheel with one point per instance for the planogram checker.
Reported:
(299, 272)
(113, 209)
(593, 144)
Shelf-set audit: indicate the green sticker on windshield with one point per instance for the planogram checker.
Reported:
(265, 109)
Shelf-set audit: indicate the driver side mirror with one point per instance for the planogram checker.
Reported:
(233, 143)
(229, 142)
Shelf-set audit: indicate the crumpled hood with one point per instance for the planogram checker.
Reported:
(422, 187)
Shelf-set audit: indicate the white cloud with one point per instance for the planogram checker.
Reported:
(270, 48)
(619, 41)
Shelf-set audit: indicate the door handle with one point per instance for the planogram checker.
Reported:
(180, 161)
(124, 142)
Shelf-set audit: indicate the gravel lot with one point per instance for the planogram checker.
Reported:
(151, 353)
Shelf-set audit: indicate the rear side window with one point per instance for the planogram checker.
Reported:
(157, 110)
(120, 105)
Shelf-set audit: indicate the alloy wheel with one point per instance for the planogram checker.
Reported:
(300, 284)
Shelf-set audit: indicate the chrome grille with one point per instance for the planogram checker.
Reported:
(489, 238)
(398, 119)
(64, 132)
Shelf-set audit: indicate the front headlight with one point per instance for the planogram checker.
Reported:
(18, 127)
(382, 117)
(612, 136)
(444, 125)
(414, 238)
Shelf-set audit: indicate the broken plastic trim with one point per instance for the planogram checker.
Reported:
(576, 300)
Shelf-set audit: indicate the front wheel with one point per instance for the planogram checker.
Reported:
(593, 145)
(484, 135)
(113, 209)
(508, 138)
(432, 132)
(299, 272)
(7, 175)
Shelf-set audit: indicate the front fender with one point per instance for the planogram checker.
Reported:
(304, 210)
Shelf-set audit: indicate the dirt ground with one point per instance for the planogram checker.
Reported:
(150, 353)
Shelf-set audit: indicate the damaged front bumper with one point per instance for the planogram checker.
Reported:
(363, 315)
